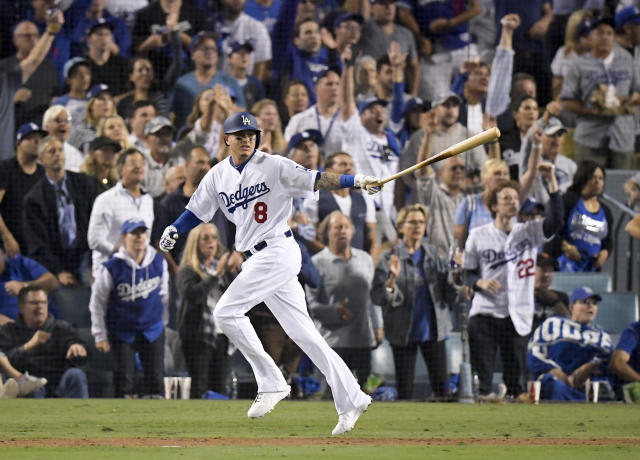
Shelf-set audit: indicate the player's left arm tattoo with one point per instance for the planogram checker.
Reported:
(328, 181)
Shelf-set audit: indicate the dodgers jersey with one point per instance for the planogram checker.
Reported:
(509, 258)
(256, 196)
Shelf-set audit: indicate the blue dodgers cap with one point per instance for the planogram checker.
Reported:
(416, 103)
(583, 293)
(95, 90)
(100, 22)
(72, 64)
(628, 14)
(27, 129)
(131, 225)
(583, 28)
(595, 22)
(235, 46)
(348, 17)
(307, 134)
(369, 101)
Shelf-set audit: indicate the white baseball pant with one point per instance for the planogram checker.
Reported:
(270, 275)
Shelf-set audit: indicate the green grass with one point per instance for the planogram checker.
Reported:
(102, 419)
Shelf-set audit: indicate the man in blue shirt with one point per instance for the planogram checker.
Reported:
(625, 360)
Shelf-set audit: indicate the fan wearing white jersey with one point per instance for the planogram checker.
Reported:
(255, 191)
(499, 263)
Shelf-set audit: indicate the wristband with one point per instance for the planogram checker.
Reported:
(347, 181)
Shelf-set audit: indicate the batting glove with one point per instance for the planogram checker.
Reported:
(168, 239)
(369, 183)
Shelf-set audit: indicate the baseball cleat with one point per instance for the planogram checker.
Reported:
(265, 402)
(347, 421)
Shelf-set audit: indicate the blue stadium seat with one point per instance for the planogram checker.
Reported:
(567, 282)
(73, 305)
(616, 311)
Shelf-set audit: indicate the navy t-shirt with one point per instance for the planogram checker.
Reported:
(422, 327)
(18, 268)
(629, 342)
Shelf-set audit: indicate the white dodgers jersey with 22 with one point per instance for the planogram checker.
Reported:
(257, 199)
(510, 259)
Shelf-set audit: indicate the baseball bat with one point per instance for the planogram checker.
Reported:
(484, 137)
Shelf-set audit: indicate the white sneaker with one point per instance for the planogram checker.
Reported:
(27, 384)
(9, 389)
(265, 402)
(347, 421)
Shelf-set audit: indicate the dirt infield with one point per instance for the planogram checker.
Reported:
(212, 442)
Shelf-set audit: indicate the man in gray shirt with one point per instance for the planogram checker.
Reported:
(604, 133)
(12, 77)
(341, 307)
(380, 30)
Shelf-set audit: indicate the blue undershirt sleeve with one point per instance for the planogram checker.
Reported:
(186, 222)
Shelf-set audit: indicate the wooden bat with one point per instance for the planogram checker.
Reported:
(484, 137)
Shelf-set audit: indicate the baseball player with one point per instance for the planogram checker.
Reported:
(500, 263)
(255, 191)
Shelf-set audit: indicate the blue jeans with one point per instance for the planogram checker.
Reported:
(73, 384)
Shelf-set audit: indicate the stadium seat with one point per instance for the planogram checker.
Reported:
(567, 282)
(616, 311)
(72, 305)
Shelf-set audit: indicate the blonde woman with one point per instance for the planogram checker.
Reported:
(114, 127)
(266, 112)
(101, 162)
(205, 271)
(100, 106)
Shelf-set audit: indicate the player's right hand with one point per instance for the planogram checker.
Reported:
(168, 238)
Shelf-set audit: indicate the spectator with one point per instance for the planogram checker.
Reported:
(576, 43)
(17, 176)
(412, 285)
(341, 306)
(210, 109)
(366, 74)
(522, 85)
(203, 275)
(145, 87)
(409, 122)
(58, 122)
(173, 178)
(127, 301)
(264, 11)
(605, 130)
(39, 344)
(499, 264)
(352, 203)
(295, 100)
(239, 60)
(586, 240)
(298, 51)
(100, 106)
(56, 212)
(563, 360)
(204, 53)
(272, 139)
(375, 148)
(553, 134)
(441, 193)
(446, 24)
(101, 162)
(158, 134)
(107, 66)
(172, 205)
(235, 26)
(627, 21)
(155, 31)
(625, 361)
(525, 113)
(112, 208)
(35, 94)
(17, 273)
(95, 14)
(347, 29)
(77, 75)
(324, 115)
(11, 78)
(380, 30)
(114, 128)
(632, 189)
(548, 302)
(139, 114)
(23, 383)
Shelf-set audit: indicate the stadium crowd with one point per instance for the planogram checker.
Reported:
(111, 114)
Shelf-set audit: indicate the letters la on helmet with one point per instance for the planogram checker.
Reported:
(242, 121)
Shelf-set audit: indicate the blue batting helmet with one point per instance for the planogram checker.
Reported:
(242, 121)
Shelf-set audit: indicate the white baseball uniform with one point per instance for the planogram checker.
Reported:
(510, 259)
(258, 197)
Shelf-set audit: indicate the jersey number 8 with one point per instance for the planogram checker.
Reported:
(260, 212)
